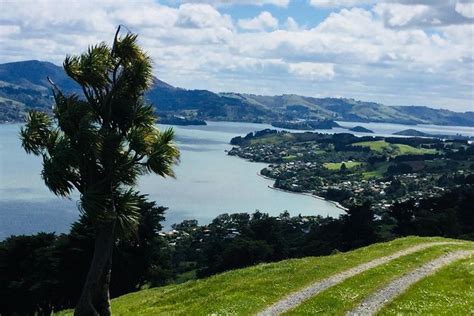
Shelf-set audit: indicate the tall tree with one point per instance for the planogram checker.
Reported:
(99, 145)
(359, 226)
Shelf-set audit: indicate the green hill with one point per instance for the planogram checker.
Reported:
(25, 83)
(252, 290)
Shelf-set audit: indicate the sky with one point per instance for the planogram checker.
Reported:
(396, 52)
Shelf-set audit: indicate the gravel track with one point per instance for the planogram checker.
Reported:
(376, 301)
(296, 298)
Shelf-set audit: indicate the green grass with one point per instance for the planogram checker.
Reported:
(247, 291)
(448, 292)
(273, 139)
(185, 276)
(381, 146)
(340, 299)
(378, 172)
(407, 150)
(337, 165)
(377, 146)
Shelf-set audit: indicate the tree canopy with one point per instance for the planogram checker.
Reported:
(99, 143)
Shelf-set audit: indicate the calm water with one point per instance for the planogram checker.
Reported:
(208, 181)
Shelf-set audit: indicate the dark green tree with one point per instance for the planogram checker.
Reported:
(343, 167)
(99, 145)
(358, 226)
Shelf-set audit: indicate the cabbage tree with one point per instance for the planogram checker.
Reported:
(99, 144)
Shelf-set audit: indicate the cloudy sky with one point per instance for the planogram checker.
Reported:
(399, 52)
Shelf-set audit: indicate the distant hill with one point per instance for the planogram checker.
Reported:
(411, 132)
(32, 74)
(438, 116)
(23, 86)
(361, 129)
(415, 133)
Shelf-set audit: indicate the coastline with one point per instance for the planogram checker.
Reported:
(336, 204)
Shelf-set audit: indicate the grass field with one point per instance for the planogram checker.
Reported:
(341, 298)
(247, 291)
(448, 292)
(378, 172)
(337, 165)
(381, 146)
(273, 139)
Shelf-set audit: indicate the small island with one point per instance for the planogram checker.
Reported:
(361, 129)
(415, 133)
(412, 132)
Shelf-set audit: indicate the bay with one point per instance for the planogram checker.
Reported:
(208, 181)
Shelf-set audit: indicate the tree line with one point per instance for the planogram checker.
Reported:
(44, 272)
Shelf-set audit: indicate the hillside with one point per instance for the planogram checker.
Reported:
(24, 85)
(411, 132)
(331, 285)
(295, 106)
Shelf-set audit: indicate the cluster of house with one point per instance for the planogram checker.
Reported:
(290, 165)
(384, 195)
(175, 235)
(272, 152)
(381, 192)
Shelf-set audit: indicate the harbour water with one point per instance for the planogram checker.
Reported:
(208, 181)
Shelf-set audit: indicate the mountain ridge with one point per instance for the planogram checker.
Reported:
(24, 86)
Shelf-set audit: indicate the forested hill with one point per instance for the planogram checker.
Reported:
(23, 85)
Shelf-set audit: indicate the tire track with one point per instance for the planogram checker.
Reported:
(296, 298)
(376, 301)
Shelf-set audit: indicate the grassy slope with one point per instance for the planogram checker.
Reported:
(401, 149)
(343, 297)
(448, 292)
(273, 139)
(337, 165)
(378, 172)
(247, 291)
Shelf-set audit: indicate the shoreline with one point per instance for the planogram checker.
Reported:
(336, 204)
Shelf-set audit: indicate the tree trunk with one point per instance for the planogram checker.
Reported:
(95, 298)
(102, 297)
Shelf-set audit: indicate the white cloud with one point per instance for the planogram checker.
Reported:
(279, 3)
(263, 21)
(201, 16)
(312, 71)
(291, 24)
(381, 53)
(465, 9)
(339, 3)
(401, 14)
(8, 30)
(419, 13)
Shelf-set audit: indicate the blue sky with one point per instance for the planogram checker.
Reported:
(301, 11)
(396, 52)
